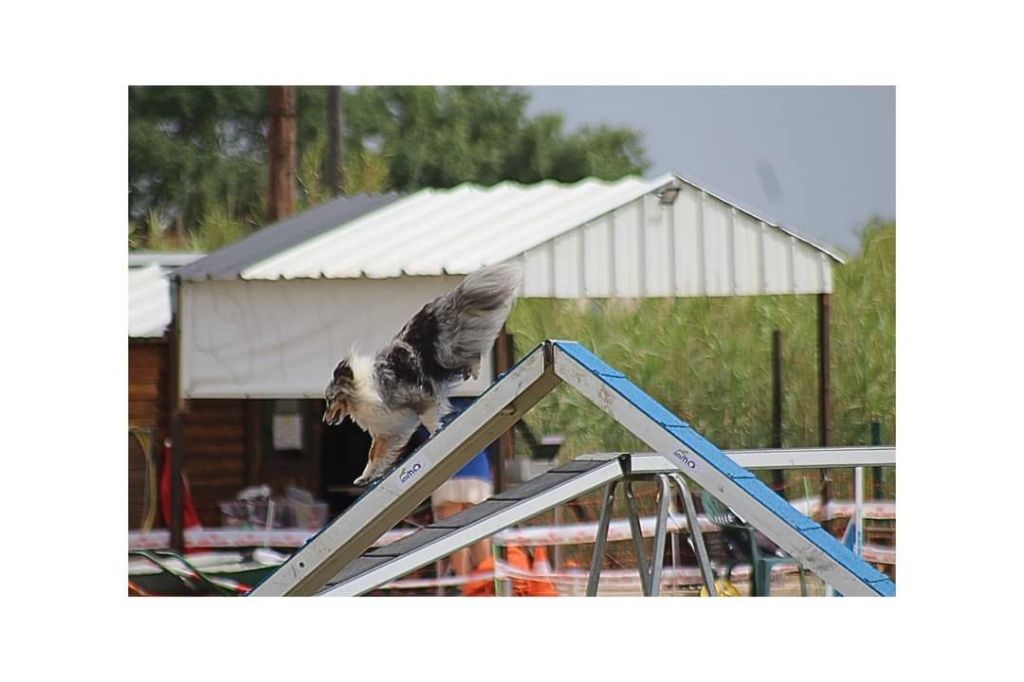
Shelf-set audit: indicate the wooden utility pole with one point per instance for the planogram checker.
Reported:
(335, 140)
(504, 359)
(178, 407)
(825, 384)
(281, 136)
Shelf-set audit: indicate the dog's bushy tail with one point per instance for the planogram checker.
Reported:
(470, 316)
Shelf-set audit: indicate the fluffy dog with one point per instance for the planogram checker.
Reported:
(407, 382)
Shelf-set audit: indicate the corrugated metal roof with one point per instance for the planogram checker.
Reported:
(455, 231)
(149, 302)
(451, 231)
(228, 262)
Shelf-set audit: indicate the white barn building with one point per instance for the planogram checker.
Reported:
(269, 317)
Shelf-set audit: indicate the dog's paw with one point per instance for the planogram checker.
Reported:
(370, 480)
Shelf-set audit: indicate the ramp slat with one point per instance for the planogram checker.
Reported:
(469, 526)
(543, 482)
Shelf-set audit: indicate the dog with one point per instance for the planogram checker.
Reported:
(407, 382)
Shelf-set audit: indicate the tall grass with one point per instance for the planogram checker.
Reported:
(218, 227)
(364, 172)
(709, 360)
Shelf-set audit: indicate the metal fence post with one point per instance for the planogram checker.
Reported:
(878, 484)
(778, 476)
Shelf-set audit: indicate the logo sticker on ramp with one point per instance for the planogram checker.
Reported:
(409, 472)
(683, 460)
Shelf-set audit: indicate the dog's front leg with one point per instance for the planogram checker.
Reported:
(382, 454)
(431, 418)
(434, 413)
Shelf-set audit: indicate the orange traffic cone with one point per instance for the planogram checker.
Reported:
(541, 585)
(484, 586)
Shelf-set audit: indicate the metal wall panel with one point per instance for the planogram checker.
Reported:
(687, 216)
(700, 246)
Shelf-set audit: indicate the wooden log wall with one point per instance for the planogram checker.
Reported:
(214, 454)
(214, 433)
(147, 409)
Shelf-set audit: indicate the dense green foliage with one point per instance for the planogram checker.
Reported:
(197, 155)
(709, 360)
(440, 137)
(195, 149)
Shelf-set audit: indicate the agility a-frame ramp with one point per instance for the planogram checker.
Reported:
(334, 560)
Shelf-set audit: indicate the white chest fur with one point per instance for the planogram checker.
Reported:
(378, 420)
(368, 409)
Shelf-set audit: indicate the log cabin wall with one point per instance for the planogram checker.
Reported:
(147, 410)
(227, 442)
(229, 446)
(214, 432)
(214, 454)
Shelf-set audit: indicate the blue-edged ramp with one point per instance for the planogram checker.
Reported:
(548, 365)
(714, 471)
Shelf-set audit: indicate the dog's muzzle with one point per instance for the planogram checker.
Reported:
(335, 413)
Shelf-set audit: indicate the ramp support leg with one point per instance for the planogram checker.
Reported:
(601, 540)
(638, 538)
(650, 572)
(675, 559)
(660, 530)
(696, 535)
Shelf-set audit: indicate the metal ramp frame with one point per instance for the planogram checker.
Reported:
(412, 481)
(560, 485)
(563, 484)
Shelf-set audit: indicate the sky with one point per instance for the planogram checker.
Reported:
(818, 160)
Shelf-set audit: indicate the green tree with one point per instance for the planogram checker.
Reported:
(195, 149)
(197, 158)
(197, 155)
(441, 137)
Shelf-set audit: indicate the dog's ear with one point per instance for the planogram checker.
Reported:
(343, 372)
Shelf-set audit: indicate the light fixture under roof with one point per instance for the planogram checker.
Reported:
(668, 195)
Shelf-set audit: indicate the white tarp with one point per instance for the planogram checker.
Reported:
(149, 302)
(282, 339)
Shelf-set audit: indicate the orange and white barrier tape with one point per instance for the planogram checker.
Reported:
(683, 576)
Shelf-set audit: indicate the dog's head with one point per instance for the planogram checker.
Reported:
(338, 393)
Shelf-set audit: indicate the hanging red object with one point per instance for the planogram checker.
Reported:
(190, 518)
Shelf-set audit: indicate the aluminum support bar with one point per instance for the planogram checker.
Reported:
(696, 534)
(638, 537)
(813, 458)
(660, 530)
(601, 540)
(791, 458)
